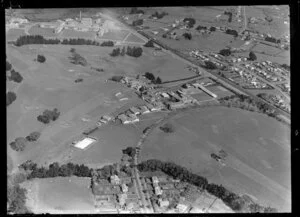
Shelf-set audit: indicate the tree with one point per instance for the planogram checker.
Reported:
(225, 52)
(41, 58)
(158, 80)
(33, 136)
(107, 44)
(10, 97)
(115, 52)
(8, 66)
(252, 56)
(187, 35)
(43, 119)
(130, 151)
(212, 29)
(117, 78)
(149, 44)
(190, 22)
(149, 76)
(123, 51)
(134, 51)
(167, 128)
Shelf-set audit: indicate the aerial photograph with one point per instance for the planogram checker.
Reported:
(129, 110)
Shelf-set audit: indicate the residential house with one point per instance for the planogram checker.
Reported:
(144, 109)
(135, 110)
(115, 180)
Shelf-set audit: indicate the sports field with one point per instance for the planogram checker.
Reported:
(258, 148)
(64, 195)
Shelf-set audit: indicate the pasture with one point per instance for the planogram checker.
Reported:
(46, 32)
(258, 148)
(14, 34)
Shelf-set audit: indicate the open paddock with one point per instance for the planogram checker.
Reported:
(114, 35)
(258, 161)
(70, 33)
(14, 34)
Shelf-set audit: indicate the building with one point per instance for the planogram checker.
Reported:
(124, 188)
(157, 190)
(135, 110)
(87, 22)
(155, 179)
(165, 95)
(84, 143)
(144, 109)
(115, 180)
(107, 117)
(133, 118)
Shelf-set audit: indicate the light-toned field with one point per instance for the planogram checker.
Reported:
(114, 35)
(134, 38)
(61, 195)
(70, 33)
(258, 148)
(46, 32)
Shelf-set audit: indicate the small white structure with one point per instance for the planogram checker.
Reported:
(84, 143)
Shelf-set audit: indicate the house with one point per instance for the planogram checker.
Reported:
(163, 203)
(124, 119)
(157, 190)
(144, 109)
(133, 118)
(155, 179)
(115, 180)
(150, 107)
(181, 207)
(106, 117)
(165, 95)
(103, 121)
(135, 110)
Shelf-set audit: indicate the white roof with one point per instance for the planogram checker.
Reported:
(84, 143)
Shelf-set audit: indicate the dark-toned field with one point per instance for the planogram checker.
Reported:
(258, 147)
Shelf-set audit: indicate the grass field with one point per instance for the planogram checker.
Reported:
(60, 195)
(134, 38)
(14, 34)
(258, 148)
(114, 35)
(69, 33)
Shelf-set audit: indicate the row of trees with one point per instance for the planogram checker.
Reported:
(16, 199)
(48, 116)
(10, 97)
(20, 143)
(130, 51)
(232, 32)
(38, 39)
(136, 11)
(152, 78)
(272, 39)
(233, 200)
(107, 44)
(55, 170)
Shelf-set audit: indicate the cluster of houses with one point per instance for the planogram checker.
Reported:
(104, 120)
(266, 70)
(204, 57)
(285, 87)
(15, 22)
(250, 80)
(117, 193)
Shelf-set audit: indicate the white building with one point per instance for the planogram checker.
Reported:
(84, 143)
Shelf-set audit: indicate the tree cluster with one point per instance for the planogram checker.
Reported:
(107, 44)
(212, 29)
(152, 78)
(130, 51)
(48, 116)
(149, 44)
(286, 67)
(41, 58)
(159, 15)
(80, 41)
(136, 11)
(117, 78)
(225, 52)
(187, 35)
(138, 22)
(130, 151)
(19, 144)
(201, 27)
(232, 32)
(210, 65)
(34, 136)
(77, 59)
(167, 128)
(190, 22)
(16, 199)
(56, 170)
(15, 76)
(10, 97)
